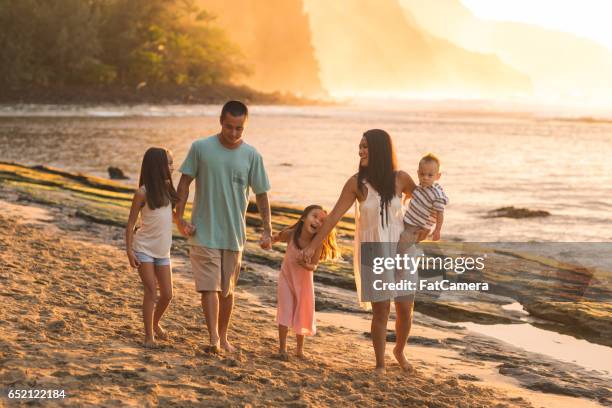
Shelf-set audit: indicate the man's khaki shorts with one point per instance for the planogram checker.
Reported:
(215, 270)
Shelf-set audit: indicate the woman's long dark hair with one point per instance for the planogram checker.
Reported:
(380, 171)
(155, 176)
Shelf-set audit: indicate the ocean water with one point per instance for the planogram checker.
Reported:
(489, 159)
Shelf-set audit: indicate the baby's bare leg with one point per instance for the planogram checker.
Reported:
(407, 238)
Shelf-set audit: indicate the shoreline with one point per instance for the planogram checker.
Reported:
(160, 95)
(107, 202)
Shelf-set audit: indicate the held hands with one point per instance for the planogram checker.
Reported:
(185, 228)
(134, 262)
(265, 242)
(306, 256)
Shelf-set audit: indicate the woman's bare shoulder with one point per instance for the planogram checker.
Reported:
(404, 177)
(351, 182)
(404, 181)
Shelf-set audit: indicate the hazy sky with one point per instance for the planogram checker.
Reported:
(587, 18)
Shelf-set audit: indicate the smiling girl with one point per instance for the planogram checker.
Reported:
(296, 304)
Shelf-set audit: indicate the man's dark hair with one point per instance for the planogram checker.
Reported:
(235, 108)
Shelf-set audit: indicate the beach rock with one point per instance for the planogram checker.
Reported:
(549, 381)
(514, 212)
(537, 372)
(61, 373)
(469, 377)
(323, 303)
(230, 362)
(12, 376)
(587, 319)
(425, 341)
(57, 326)
(115, 173)
(413, 340)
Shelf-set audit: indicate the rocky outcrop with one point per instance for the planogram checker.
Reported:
(115, 173)
(515, 212)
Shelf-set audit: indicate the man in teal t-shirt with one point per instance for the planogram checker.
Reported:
(225, 168)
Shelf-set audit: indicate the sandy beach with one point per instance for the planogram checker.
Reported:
(71, 321)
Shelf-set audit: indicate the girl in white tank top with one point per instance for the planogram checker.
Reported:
(148, 247)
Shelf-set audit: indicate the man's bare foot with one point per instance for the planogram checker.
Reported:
(160, 333)
(212, 349)
(149, 343)
(225, 345)
(401, 359)
(282, 355)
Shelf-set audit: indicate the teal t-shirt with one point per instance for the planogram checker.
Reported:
(222, 178)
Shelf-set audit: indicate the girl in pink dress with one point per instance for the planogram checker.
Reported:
(296, 304)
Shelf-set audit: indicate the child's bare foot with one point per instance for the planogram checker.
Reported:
(225, 345)
(149, 342)
(300, 354)
(401, 359)
(160, 333)
(282, 355)
(380, 370)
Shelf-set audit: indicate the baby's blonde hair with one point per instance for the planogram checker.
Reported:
(430, 158)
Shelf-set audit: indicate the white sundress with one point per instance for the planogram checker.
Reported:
(368, 228)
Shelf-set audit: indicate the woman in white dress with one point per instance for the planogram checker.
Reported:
(377, 192)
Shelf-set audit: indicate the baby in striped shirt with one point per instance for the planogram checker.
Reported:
(426, 206)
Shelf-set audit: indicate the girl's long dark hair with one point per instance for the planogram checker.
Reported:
(156, 177)
(380, 171)
(329, 249)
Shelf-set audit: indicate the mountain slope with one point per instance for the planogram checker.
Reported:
(275, 38)
(559, 64)
(370, 45)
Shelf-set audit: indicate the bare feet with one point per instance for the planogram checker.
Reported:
(380, 371)
(401, 359)
(160, 333)
(212, 349)
(225, 345)
(149, 342)
(282, 355)
(300, 354)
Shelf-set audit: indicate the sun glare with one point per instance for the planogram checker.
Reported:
(585, 18)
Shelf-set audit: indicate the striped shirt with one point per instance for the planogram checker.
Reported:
(424, 204)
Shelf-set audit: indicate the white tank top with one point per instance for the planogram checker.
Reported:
(154, 237)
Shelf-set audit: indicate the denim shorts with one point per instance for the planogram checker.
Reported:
(142, 257)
